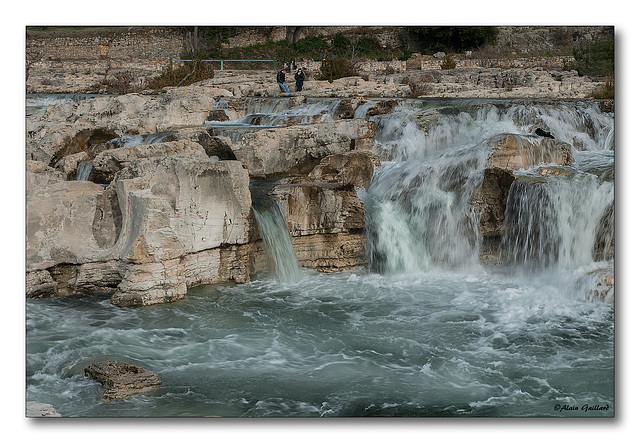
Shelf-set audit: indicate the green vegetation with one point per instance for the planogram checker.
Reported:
(208, 45)
(594, 58)
(453, 38)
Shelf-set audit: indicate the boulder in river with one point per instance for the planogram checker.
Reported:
(122, 380)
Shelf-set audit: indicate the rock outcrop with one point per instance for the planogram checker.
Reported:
(152, 220)
(122, 380)
(66, 129)
(36, 410)
(507, 153)
(324, 213)
(298, 149)
(131, 238)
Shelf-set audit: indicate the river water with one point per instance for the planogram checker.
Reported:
(425, 330)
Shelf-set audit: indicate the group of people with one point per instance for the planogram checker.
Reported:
(299, 76)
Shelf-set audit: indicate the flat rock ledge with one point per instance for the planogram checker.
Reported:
(122, 380)
(37, 410)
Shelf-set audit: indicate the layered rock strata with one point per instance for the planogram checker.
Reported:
(132, 237)
(153, 220)
(325, 216)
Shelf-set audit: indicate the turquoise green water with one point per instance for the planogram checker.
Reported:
(336, 345)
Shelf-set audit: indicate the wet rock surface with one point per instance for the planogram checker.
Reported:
(37, 410)
(122, 380)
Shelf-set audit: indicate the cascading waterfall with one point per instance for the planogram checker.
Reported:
(277, 242)
(274, 112)
(84, 170)
(418, 211)
(557, 220)
(272, 224)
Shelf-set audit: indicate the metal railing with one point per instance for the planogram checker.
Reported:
(171, 60)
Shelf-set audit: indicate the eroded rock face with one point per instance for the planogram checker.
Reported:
(107, 163)
(325, 216)
(509, 152)
(516, 151)
(122, 380)
(167, 216)
(298, 149)
(65, 129)
(131, 239)
(491, 200)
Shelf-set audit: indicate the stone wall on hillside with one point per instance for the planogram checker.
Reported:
(148, 45)
(505, 63)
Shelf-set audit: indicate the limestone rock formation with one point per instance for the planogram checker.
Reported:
(509, 152)
(298, 149)
(122, 380)
(131, 238)
(324, 213)
(65, 129)
(516, 151)
(37, 409)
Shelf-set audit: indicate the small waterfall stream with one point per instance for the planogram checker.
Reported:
(282, 259)
(272, 224)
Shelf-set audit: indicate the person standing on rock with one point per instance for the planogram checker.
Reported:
(280, 78)
(299, 76)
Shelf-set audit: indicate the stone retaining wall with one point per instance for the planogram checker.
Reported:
(152, 44)
(507, 63)
(461, 62)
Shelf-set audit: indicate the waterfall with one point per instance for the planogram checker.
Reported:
(419, 214)
(84, 170)
(281, 257)
(557, 221)
(411, 132)
(275, 112)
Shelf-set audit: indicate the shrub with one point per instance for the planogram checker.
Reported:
(607, 90)
(311, 47)
(122, 82)
(341, 45)
(453, 38)
(369, 47)
(448, 63)
(334, 68)
(190, 72)
(594, 58)
(421, 85)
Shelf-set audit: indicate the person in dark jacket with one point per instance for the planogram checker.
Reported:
(299, 76)
(280, 78)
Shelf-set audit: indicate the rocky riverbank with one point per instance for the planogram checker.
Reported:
(494, 82)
